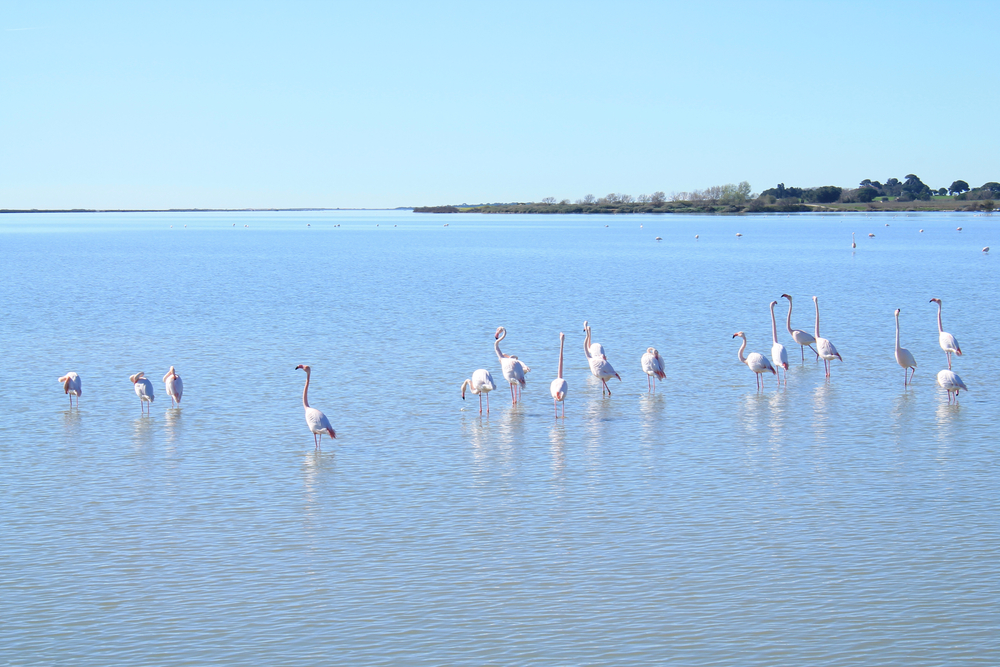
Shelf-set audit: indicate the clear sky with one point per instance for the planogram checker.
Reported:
(382, 104)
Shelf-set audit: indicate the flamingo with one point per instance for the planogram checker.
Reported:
(175, 386)
(559, 387)
(853, 242)
(950, 381)
(525, 370)
(757, 362)
(72, 385)
(315, 419)
(512, 369)
(652, 365)
(599, 365)
(903, 356)
(480, 383)
(824, 348)
(802, 338)
(143, 388)
(779, 357)
(947, 342)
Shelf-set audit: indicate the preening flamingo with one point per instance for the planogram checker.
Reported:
(757, 362)
(480, 383)
(903, 356)
(559, 386)
(950, 381)
(801, 338)
(599, 365)
(652, 366)
(824, 348)
(175, 386)
(947, 342)
(779, 357)
(512, 369)
(73, 386)
(143, 388)
(315, 419)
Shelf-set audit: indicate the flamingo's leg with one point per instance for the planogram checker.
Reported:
(487, 404)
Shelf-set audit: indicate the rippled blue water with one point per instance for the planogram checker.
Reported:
(832, 522)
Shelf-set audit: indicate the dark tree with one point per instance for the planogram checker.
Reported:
(866, 194)
(958, 187)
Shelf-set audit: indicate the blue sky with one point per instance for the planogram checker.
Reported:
(382, 104)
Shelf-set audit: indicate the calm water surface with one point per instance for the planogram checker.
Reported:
(848, 521)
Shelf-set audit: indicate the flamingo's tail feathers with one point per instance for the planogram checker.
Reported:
(785, 365)
(661, 375)
(958, 351)
(560, 395)
(333, 434)
(522, 382)
(840, 357)
(619, 377)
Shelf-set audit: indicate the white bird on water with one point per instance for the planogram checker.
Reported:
(315, 419)
(779, 357)
(559, 386)
(143, 388)
(512, 369)
(801, 338)
(652, 366)
(480, 383)
(175, 386)
(853, 242)
(72, 385)
(824, 347)
(903, 356)
(757, 362)
(947, 342)
(598, 361)
(950, 381)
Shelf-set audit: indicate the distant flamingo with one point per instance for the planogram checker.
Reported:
(903, 356)
(143, 388)
(512, 369)
(175, 386)
(72, 385)
(480, 383)
(950, 381)
(559, 386)
(652, 365)
(801, 338)
(315, 419)
(853, 242)
(824, 348)
(599, 365)
(779, 357)
(757, 362)
(947, 342)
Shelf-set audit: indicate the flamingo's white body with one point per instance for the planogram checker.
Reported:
(512, 369)
(559, 386)
(315, 419)
(947, 342)
(950, 381)
(143, 388)
(480, 383)
(652, 366)
(801, 338)
(779, 357)
(854, 243)
(757, 362)
(72, 385)
(903, 356)
(175, 386)
(824, 348)
(599, 364)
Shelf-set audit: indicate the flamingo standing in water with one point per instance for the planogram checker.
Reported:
(947, 342)
(801, 338)
(315, 419)
(480, 383)
(512, 369)
(143, 388)
(903, 356)
(824, 348)
(652, 365)
(175, 386)
(598, 361)
(559, 387)
(72, 385)
(757, 362)
(779, 357)
(950, 381)
(853, 242)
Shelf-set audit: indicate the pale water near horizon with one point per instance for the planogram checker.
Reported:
(826, 523)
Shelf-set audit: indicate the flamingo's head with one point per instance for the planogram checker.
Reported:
(65, 383)
(739, 333)
(305, 368)
(500, 330)
(897, 312)
(586, 325)
(774, 303)
(138, 376)
(815, 299)
(786, 296)
(935, 300)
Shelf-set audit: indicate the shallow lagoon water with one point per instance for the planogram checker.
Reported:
(828, 522)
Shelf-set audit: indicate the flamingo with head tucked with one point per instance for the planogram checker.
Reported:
(947, 342)
(599, 365)
(778, 355)
(559, 386)
(143, 389)
(652, 366)
(72, 385)
(175, 386)
(315, 419)
(824, 348)
(757, 362)
(480, 383)
(512, 369)
(903, 357)
(801, 338)
(949, 381)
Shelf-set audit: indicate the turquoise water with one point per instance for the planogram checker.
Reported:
(826, 523)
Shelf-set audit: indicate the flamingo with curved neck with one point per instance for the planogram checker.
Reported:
(903, 356)
(824, 348)
(778, 355)
(947, 342)
(559, 386)
(480, 383)
(801, 338)
(512, 368)
(315, 419)
(598, 360)
(73, 386)
(755, 361)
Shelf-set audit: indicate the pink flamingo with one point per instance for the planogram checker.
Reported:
(559, 386)
(511, 367)
(598, 361)
(947, 342)
(652, 365)
(315, 419)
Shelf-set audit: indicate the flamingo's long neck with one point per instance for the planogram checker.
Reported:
(586, 343)
(774, 326)
(897, 332)
(305, 392)
(468, 383)
(496, 345)
(742, 347)
(788, 322)
(562, 340)
(940, 328)
(816, 303)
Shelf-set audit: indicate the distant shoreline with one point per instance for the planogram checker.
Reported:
(188, 210)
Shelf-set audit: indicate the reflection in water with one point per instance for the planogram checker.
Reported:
(777, 402)
(903, 417)
(821, 409)
(71, 424)
(142, 430)
(172, 423)
(557, 440)
(651, 409)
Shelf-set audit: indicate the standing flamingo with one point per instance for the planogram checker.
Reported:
(853, 242)
(652, 365)
(480, 383)
(143, 388)
(525, 370)
(947, 342)
(72, 385)
(512, 369)
(175, 386)
(315, 419)
(599, 365)
(801, 338)
(757, 362)
(779, 357)
(824, 348)
(559, 386)
(950, 381)
(903, 356)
